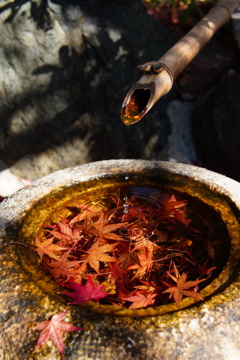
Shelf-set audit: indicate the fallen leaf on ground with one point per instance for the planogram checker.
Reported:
(53, 329)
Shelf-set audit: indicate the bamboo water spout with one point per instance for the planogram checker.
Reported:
(158, 76)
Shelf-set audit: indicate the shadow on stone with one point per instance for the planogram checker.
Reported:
(63, 107)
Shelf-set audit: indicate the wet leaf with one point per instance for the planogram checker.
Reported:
(84, 293)
(53, 329)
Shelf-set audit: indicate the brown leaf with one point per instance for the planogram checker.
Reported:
(98, 253)
(62, 267)
(141, 299)
(103, 230)
(116, 274)
(179, 290)
(87, 212)
(145, 265)
(127, 259)
(66, 234)
(47, 248)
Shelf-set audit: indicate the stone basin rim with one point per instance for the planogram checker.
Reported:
(66, 177)
(70, 176)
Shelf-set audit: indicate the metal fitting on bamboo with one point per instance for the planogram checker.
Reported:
(159, 75)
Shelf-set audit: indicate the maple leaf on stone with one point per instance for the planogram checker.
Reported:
(103, 230)
(141, 299)
(84, 293)
(181, 287)
(98, 253)
(53, 329)
(46, 247)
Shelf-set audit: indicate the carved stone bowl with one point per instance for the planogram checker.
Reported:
(197, 330)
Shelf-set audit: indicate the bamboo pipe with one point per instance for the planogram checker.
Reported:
(158, 76)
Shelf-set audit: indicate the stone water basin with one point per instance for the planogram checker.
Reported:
(198, 330)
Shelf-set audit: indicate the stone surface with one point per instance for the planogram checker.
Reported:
(206, 331)
(181, 147)
(65, 68)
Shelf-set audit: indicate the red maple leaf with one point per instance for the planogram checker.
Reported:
(116, 274)
(84, 293)
(46, 247)
(53, 329)
(131, 212)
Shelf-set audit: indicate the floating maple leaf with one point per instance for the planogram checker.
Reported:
(53, 329)
(131, 212)
(87, 212)
(103, 230)
(48, 248)
(144, 266)
(181, 287)
(84, 293)
(98, 253)
(66, 235)
(127, 259)
(171, 202)
(61, 267)
(141, 299)
(116, 274)
(180, 216)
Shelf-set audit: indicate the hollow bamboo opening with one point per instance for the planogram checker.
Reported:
(159, 75)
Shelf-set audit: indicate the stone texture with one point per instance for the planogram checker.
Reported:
(181, 147)
(206, 331)
(66, 67)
